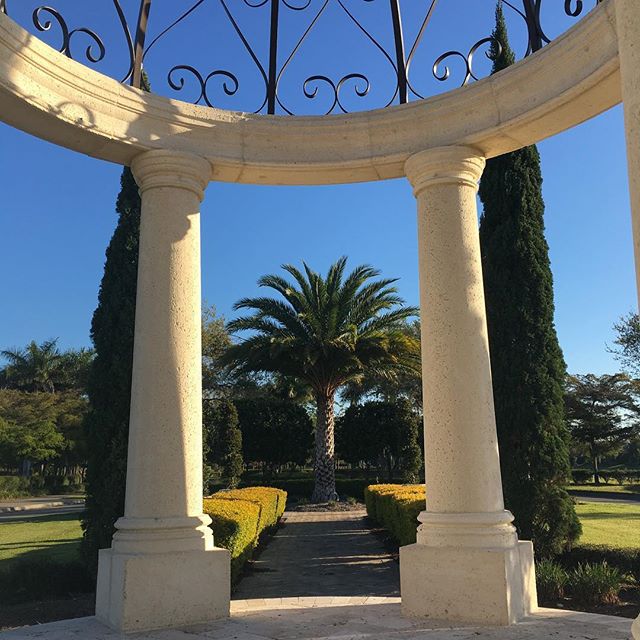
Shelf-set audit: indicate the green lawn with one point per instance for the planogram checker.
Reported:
(615, 525)
(40, 558)
(54, 537)
(606, 488)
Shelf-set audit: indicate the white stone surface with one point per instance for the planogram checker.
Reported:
(163, 569)
(571, 80)
(628, 24)
(467, 565)
(343, 619)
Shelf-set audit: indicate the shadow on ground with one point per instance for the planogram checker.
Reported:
(322, 554)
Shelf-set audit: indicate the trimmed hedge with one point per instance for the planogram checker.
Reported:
(396, 508)
(239, 517)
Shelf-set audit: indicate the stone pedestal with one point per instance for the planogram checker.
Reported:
(467, 566)
(163, 569)
(470, 586)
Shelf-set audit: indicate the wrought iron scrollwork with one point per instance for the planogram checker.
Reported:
(467, 59)
(531, 14)
(43, 19)
(273, 72)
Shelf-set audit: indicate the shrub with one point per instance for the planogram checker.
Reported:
(35, 578)
(551, 580)
(625, 560)
(235, 527)
(593, 584)
(396, 508)
(14, 487)
(239, 517)
(581, 476)
(272, 502)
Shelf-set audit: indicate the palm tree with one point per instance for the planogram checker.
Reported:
(34, 368)
(326, 332)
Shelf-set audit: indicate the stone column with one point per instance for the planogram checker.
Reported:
(163, 569)
(467, 566)
(628, 28)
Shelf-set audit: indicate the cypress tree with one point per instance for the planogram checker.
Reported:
(527, 363)
(223, 440)
(109, 384)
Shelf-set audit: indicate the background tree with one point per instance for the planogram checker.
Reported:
(326, 332)
(216, 381)
(382, 435)
(406, 384)
(627, 351)
(602, 413)
(43, 367)
(276, 432)
(28, 431)
(75, 366)
(37, 367)
(109, 384)
(222, 443)
(527, 364)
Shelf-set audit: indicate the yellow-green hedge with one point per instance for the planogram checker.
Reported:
(396, 508)
(240, 516)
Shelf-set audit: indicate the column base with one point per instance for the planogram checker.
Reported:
(141, 592)
(468, 586)
(636, 629)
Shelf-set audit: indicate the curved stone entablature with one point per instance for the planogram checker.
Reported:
(573, 79)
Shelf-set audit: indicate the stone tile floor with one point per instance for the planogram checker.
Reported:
(340, 619)
(325, 576)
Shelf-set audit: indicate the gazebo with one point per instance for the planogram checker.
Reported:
(467, 567)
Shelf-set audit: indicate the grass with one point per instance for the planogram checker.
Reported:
(56, 537)
(40, 558)
(606, 523)
(606, 488)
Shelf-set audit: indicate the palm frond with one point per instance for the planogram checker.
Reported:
(327, 330)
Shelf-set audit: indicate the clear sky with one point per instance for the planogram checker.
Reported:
(57, 215)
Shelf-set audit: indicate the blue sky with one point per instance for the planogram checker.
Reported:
(57, 215)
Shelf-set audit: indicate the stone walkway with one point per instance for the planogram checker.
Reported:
(335, 619)
(322, 554)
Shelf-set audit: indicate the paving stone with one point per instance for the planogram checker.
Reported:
(322, 554)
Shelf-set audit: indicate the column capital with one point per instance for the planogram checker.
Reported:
(445, 165)
(163, 168)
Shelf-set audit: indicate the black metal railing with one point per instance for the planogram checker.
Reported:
(138, 43)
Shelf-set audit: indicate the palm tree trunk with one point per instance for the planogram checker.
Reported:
(325, 457)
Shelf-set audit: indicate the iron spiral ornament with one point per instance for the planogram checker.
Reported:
(399, 69)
